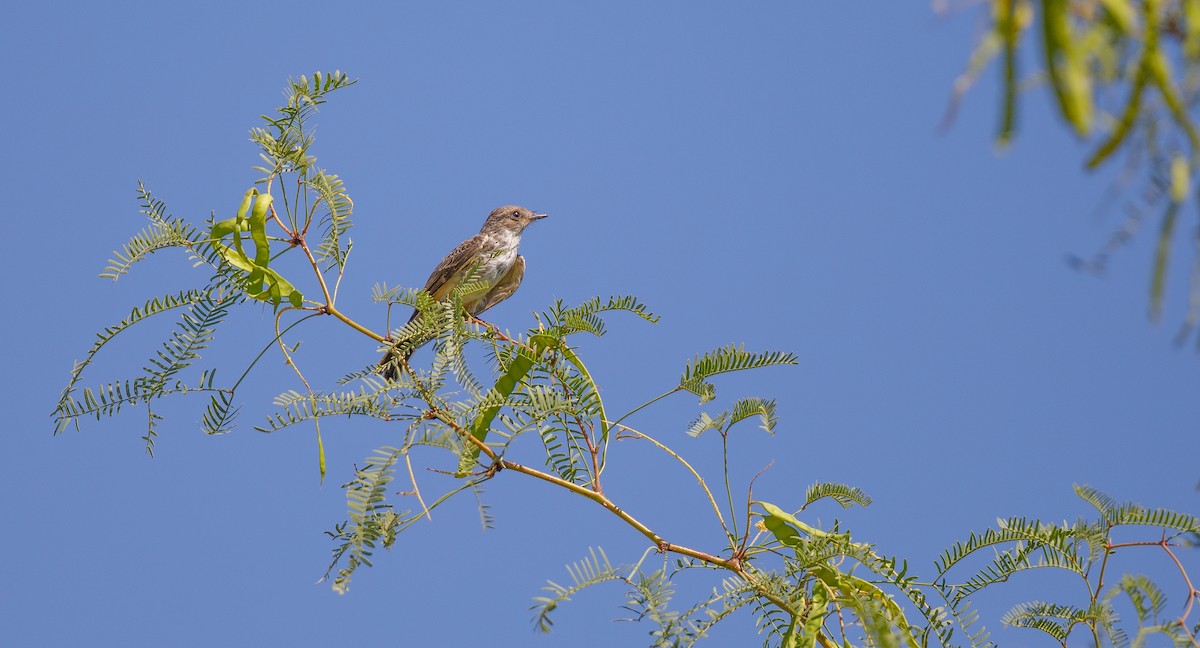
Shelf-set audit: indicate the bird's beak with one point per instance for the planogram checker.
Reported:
(538, 217)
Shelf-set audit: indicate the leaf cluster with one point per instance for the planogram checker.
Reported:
(1083, 549)
(805, 584)
(1124, 77)
(240, 254)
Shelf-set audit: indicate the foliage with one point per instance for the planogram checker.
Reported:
(238, 274)
(804, 583)
(1125, 77)
(1084, 549)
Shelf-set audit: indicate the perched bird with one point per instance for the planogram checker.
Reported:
(490, 257)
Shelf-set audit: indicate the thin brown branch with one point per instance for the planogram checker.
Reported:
(711, 500)
(1192, 592)
(416, 489)
(292, 236)
(741, 552)
(587, 431)
(734, 563)
(283, 348)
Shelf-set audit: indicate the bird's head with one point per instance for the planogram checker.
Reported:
(510, 218)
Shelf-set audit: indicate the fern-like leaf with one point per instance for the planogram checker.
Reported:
(594, 569)
(844, 495)
(1064, 540)
(1130, 514)
(1116, 513)
(155, 306)
(296, 407)
(152, 419)
(372, 519)
(165, 231)
(760, 407)
(285, 140)
(704, 423)
(335, 218)
(195, 330)
(725, 360)
(957, 611)
(1051, 618)
(649, 599)
(486, 520)
(560, 315)
(219, 415)
(174, 233)
(108, 399)
(1147, 598)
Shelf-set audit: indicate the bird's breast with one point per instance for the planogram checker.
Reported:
(498, 264)
(500, 254)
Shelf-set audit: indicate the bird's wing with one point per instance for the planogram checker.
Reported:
(504, 288)
(453, 266)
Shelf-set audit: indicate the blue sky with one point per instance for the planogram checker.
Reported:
(768, 174)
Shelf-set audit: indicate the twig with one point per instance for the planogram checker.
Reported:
(703, 485)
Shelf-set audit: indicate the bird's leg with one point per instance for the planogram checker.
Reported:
(492, 329)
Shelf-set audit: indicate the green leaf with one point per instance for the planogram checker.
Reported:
(371, 518)
(866, 598)
(1007, 28)
(704, 423)
(760, 407)
(195, 330)
(1147, 598)
(285, 140)
(1123, 14)
(1181, 173)
(296, 408)
(592, 570)
(335, 218)
(787, 529)
(254, 272)
(1191, 16)
(1117, 513)
(822, 596)
(1067, 66)
(262, 249)
(571, 357)
(504, 387)
(1160, 69)
(185, 299)
(725, 360)
(584, 318)
(219, 415)
(1034, 546)
(844, 495)
(780, 524)
(1158, 279)
(1142, 77)
(320, 451)
(164, 231)
(1051, 618)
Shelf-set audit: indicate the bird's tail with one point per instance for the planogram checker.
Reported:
(392, 363)
(394, 360)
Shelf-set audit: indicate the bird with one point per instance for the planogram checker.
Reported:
(490, 258)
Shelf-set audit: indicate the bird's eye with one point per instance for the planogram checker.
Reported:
(516, 214)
